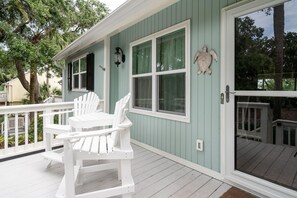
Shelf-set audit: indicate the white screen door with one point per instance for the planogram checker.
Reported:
(260, 94)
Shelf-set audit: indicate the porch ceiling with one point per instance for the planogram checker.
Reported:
(131, 12)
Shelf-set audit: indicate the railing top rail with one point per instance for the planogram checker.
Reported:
(35, 107)
(292, 122)
(253, 104)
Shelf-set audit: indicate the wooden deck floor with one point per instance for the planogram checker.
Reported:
(271, 162)
(154, 176)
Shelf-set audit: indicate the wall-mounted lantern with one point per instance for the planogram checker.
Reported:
(119, 56)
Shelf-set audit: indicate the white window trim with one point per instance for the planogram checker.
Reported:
(79, 89)
(154, 74)
(227, 146)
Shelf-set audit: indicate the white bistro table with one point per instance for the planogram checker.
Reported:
(91, 120)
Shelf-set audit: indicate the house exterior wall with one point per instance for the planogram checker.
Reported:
(174, 137)
(98, 51)
(16, 92)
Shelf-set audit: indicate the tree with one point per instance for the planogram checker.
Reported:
(290, 57)
(251, 54)
(278, 26)
(33, 31)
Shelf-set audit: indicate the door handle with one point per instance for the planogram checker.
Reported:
(228, 92)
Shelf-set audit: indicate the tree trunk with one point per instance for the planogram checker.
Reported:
(278, 19)
(22, 76)
(34, 88)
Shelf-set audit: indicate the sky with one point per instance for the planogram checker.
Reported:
(113, 4)
(266, 22)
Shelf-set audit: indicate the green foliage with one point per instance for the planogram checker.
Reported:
(33, 31)
(43, 91)
(31, 137)
(252, 57)
(255, 54)
(56, 91)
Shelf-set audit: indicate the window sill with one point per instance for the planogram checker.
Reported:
(166, 116)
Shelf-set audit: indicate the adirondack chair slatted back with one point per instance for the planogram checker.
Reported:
(120, 114)
(86, 103)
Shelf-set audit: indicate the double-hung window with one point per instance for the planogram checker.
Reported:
(79, 74)
(160, 74)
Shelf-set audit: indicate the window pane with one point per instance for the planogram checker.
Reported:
(75, 81)
(266, 50)
(143, 92)
(171, 51)
(142, 58)
(172, 93)
(75, 67)
(83, 78)
(83, 64)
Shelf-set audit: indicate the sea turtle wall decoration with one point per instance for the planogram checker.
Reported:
(204, 59)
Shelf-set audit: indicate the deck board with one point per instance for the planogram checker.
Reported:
(177, 185)
(265, 164)
(207, 189)
(289, 172)
(192, 187)
(162, 183)
(154, 176)
(274, 163)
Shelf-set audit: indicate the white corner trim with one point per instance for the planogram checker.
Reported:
(106, 84)
(179, 160)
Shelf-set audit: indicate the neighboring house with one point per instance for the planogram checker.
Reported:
(221, 124)
(15, 91)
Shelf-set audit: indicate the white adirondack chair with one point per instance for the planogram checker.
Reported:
(87, 103)
(106, 144)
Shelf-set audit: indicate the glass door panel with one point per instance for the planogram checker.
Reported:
(265, 138)
(266, 65)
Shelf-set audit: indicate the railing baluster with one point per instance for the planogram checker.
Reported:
(249, 119)
(255, 119)
(289, 136)
(295, 140)
(242, 118)
(35, 127)
(60, 118)
(26, 128)
(16, 130)
(16, 148)
(5, 131)
(67, 116)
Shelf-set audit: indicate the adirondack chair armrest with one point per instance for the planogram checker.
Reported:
(125, 124)
(56, 113)
(77, 135)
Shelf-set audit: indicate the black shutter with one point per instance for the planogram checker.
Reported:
(69, 76)
(90, 71)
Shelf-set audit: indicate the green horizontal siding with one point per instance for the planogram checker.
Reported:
(175, 137)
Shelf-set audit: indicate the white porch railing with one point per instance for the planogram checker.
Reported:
(285, 132)
(14, 142)
(254, 121)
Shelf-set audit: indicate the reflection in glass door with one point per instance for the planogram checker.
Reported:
(266, 66)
